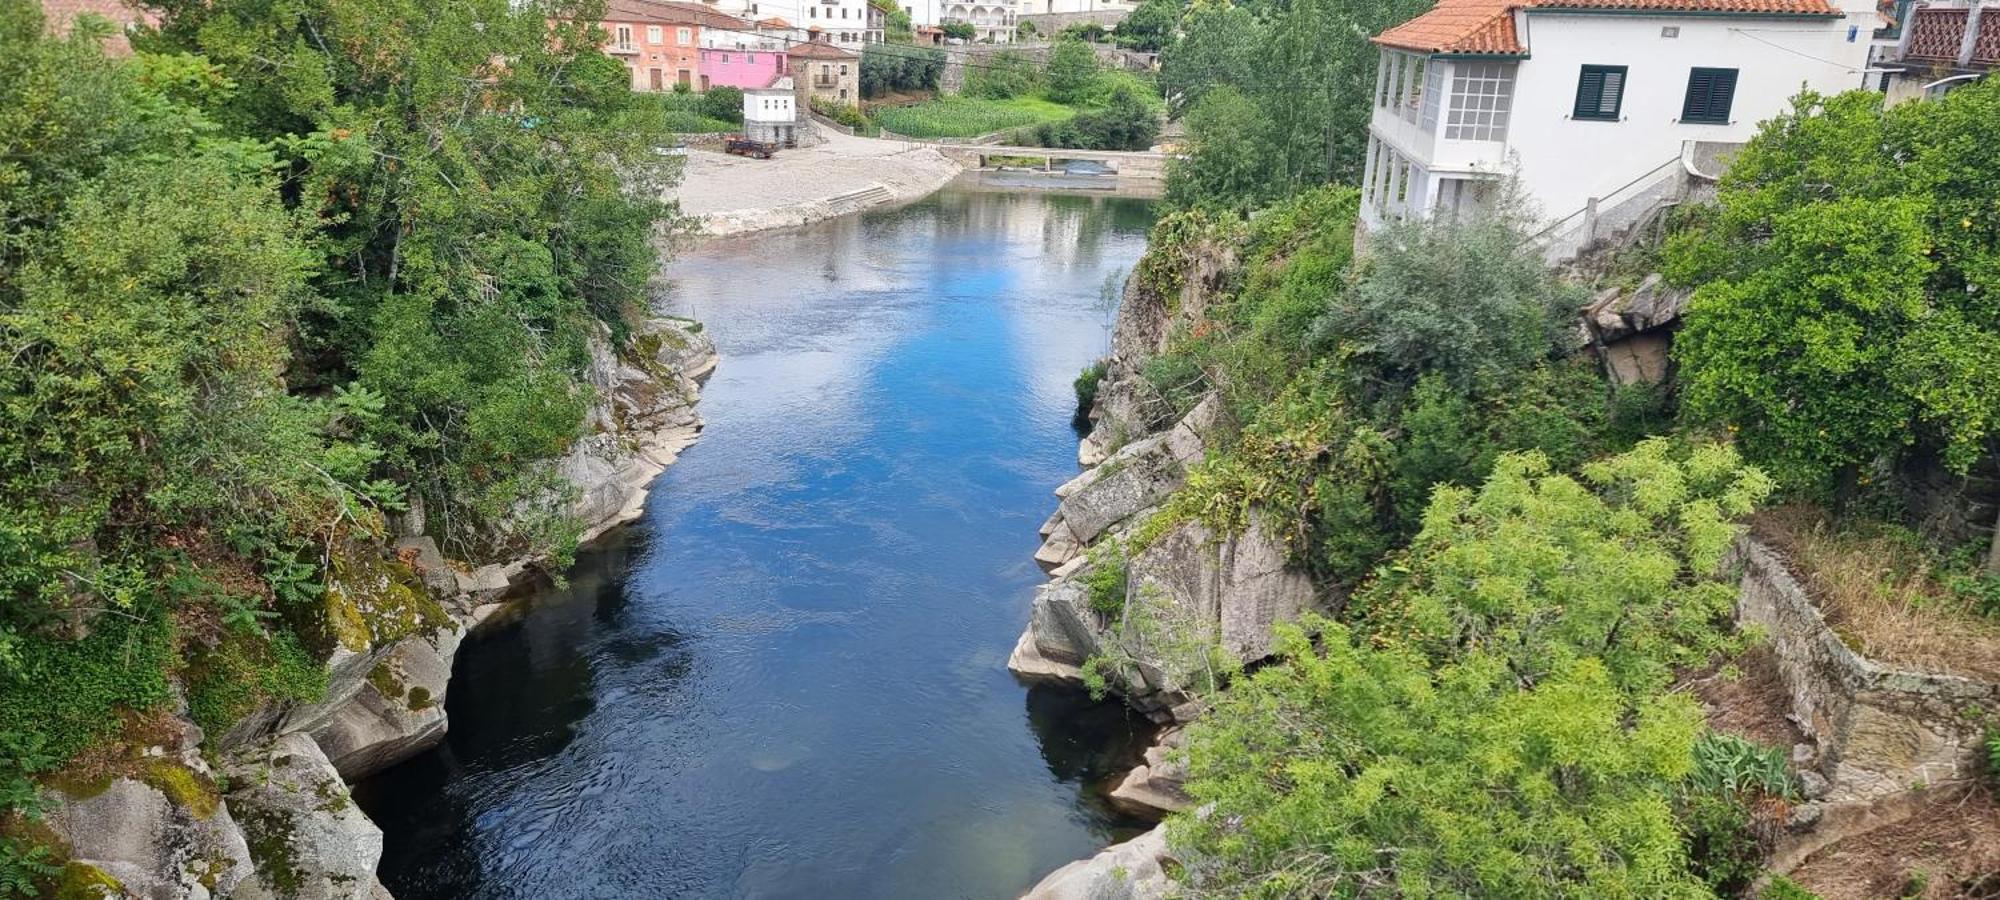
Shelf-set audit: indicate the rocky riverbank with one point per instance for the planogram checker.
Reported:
(729, 195)
(265, 811)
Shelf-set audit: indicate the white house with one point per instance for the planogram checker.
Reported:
(850, 24)
(771, 113)
(1593, 105)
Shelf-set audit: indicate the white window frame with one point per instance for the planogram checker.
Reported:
(655, 35)
(1482, 101)
(684, 36)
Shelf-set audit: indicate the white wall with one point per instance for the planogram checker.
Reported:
(768, 106)
(1563, 162)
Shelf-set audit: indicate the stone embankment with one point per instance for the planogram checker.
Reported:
(163, 826)
(729, 195)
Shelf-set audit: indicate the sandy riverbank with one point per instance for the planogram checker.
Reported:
(735, 195)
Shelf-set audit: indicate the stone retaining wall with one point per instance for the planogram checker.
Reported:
(1879, 735)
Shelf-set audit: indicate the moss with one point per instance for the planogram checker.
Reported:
(80, 881)
(79, 787)
(246, 670)
(333, 797)
(386, 681)
(270, 836)
(420, 699)
(373, 600)
(184, 786)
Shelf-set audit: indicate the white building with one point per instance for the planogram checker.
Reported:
(1593, 105)
(771, 113)
(849, 24)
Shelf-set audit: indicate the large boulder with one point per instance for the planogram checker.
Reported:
(398, 711)
(1136, 478)
(1189, 589)
(159, 833)
(1166, 296)
(1134, 870)
(1159, 785)
(308, 839)
(643, 418)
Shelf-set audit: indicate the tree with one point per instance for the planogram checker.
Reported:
(958, 31)
(1072, 71)
(1495, 719)
(898, 28)
(1844, 314)
(1003, 76)
(1222, 168)
(723, 102)
(1124, 123)
(1150, 26)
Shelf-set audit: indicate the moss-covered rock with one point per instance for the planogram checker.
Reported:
(82, 881)
(308, 839)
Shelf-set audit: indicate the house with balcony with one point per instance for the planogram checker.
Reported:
(992, 21)
(660, 42)
(1599, 110)
(821, 69)
(1936, 45)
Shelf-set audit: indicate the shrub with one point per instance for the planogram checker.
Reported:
(1002, 76)
(724, 104)
(1086, 393)
(1072, 70)
(1106, 579)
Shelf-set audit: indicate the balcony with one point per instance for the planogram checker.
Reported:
(1937, 36)
(622, 50)
(825, 82)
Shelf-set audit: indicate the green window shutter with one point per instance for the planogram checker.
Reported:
(1600, 93)
(1710, 94)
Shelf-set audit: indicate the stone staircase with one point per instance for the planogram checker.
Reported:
(854, 201)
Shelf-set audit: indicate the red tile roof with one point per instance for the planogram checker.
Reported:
(820, 50)
(1487, 26)
(671, 13)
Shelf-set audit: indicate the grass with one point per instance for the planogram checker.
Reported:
(964, 117)
(683, 114)
(1887, 594)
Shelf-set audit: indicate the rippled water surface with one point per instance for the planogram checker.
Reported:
(788, 679)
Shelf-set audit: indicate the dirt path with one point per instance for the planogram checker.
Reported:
(734, 195)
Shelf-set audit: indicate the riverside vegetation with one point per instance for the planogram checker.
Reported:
(1520, 561)
(287, 269)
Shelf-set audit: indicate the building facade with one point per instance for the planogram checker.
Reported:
(61, 14)
(1931, 46)
(821, 69)
(660, 42)
(771, 113)
(851, 24)
(1588, 103)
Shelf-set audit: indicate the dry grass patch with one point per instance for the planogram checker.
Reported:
(1884, 593)
(1746, 696)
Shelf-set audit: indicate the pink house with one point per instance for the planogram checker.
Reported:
(741, 68)
(750, 57)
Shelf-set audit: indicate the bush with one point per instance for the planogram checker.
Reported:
(846, 114)
(1086, 393)
(1002, 76)
(1072, 70)
(724, 104)
(1126, 123)
(886, 69)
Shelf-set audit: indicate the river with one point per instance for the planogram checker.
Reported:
(788, 678)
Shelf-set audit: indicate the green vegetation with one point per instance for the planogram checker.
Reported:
(901, 69)
(1150, 26)
(1495, 720)
(1275, 96)
(1086, 392)
(690, 113)
(1844, 315)
(968, 116)
(280, 273)
(1072, 71)
(846, 114)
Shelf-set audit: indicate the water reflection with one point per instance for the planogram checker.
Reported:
(788, 679)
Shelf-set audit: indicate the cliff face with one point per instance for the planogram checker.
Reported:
(159, 824)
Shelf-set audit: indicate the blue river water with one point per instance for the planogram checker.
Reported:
(788, 678)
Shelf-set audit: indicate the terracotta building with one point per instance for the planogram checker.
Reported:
(660, 42)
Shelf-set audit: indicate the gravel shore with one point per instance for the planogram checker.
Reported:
(734, 194)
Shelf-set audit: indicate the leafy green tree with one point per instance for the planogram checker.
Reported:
(1003, 76)
(1497, 723)
(898, 28)
(1150, 26)
(479, 221)
(1072, 71)
(1220, 46)
(959, 31)
(723, 102)
(1223, 168)
(1844, 314)
(1124, 123)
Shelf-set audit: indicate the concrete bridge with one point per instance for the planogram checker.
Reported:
(1127, 163)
